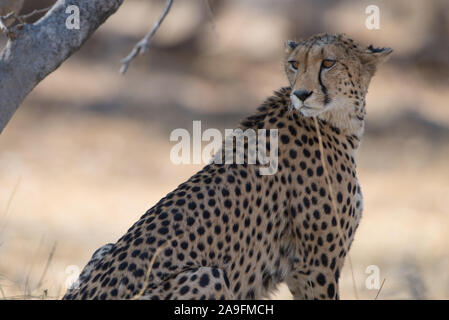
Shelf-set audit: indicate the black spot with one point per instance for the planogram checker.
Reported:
(306, 153)
(306, 202)
(184, 245)
(190, 221)
(138, 273)
(339, 178)
(269, 227)
(324, 260)
(168, 252)
(292, 130)
(192, 205)
(216, 273)
(339, 197)
(321, 279)
(331, 290)
(184, 290)
(123, 266)
(285, 139)
(228, 203)
(122, 256)
(322, 192)
(200, 230)
(225, 218)
(310, 172)
(180, 202)
(204, 280)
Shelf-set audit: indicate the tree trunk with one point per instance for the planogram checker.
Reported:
(40, 48)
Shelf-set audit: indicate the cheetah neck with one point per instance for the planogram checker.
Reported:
(351, 124)
(348, 120)
(335, 120)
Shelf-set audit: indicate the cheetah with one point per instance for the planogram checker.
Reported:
(230, 232)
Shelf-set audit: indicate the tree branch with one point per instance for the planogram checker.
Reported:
(40, 48)
(3, 24)
(143, 44)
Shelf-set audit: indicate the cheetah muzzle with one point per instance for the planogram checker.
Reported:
(231, 233)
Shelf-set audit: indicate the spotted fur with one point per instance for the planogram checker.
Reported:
(231, 233)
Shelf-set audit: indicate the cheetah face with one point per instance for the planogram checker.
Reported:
(328, 72)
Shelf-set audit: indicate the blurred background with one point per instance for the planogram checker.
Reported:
(87, 153)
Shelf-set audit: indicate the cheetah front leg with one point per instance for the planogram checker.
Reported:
(313, 284)
(195, 284)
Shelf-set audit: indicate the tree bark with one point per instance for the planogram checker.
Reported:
(40, 48)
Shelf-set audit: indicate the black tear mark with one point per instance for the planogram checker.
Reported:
(323, 87)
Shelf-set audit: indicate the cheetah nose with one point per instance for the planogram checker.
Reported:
(302, 94)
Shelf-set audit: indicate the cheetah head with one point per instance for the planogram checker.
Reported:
(329, 76)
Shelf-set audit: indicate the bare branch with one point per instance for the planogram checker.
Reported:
(24, 17)
(143, 44)
(40, 48)
(7, 6)
(12, 18)
(4, 25)
(211, 15)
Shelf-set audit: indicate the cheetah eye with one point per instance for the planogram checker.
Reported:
(328, 63)
(294, 64)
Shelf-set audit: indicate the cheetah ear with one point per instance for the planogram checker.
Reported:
(373, 57)
(290, 45)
